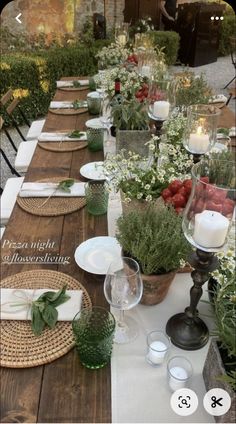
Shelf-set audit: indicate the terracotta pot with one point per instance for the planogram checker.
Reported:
(155, 287)
(137, 204)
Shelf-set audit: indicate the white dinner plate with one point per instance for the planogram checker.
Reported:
(93, 171)
(96, 254)
(94, 123)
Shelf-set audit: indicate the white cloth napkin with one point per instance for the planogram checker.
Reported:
(48, 189)
(61, 84)
(67, 105)
(66, 311)
(57, 136)
(61, 105)
(218, 98)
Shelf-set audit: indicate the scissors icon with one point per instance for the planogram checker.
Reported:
(216, 401)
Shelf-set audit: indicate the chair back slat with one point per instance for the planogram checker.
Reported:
(1, 122)
(6, 97)
(12, 106)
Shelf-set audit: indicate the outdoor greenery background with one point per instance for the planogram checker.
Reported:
(31, 67)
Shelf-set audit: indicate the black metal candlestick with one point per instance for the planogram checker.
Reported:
(186, 329)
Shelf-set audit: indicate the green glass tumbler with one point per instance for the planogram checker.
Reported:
(96, 194)
(95, 137)
(93, 330)
(94, 101)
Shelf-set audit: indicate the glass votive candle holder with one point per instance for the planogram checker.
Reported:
(94, 330)
(95, 138)
(180, 372)
(94, 100)
(96, 194)
(201, 127)
(158, 348)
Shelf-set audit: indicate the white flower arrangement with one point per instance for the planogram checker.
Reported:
(130, 81)
(226, 270)
(112, 55)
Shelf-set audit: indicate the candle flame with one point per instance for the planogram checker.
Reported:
(199, 130)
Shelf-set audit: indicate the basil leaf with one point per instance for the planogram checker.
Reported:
(76, 84)
(66, 184)
(62, 299)
(50, 315)
(37, 322)
(76, 134)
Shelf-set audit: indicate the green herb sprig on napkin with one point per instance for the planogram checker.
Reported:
(66, 184)
(44, 312)
(77, 104)
(76, 84)
(75, 134)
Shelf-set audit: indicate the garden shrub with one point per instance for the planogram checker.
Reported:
(169, 40)
(228, 29)
(33, 76)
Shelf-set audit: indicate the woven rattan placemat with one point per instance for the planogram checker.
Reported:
(20, 348)
(66, 146)
(55, 206)
(69, 111)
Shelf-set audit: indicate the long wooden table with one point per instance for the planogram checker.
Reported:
(62, 391)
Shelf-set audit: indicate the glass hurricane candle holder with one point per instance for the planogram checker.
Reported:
(122, 34)
(210, 209)
(161, 100)
(206, 224)
(201, 128)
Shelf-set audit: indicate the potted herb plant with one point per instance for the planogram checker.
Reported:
(191, 90)
(219, 368)
(154, 238)
(130, 118)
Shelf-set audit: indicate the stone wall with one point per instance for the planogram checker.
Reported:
(59, 16)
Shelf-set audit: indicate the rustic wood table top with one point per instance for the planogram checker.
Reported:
(63, 390)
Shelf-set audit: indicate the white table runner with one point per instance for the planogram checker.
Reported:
(140, 393)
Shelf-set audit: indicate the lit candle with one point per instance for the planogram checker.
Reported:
(210, 229)
(161, 109)
(146, 71)
(156, 353)
(178, 378)
(121, 39)
(198, 141)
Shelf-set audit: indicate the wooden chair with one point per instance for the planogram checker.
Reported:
(10, 105)
(24, 153)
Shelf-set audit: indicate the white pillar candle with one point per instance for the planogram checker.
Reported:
(161, 109)
(210, 229)
(178, 377)
(198, 141)
(157, 351)
(146, 71)
(121, 39)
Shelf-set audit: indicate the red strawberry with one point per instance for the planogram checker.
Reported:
(188, 186)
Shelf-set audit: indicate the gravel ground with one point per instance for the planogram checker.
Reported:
(217, 74)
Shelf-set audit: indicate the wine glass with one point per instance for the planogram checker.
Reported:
(123, 289)
(105, 116)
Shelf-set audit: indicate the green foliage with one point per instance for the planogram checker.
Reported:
(197, 92)
(38, 74)
(228, 29)
(169, 41)
(130, 115)
(154, 238)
